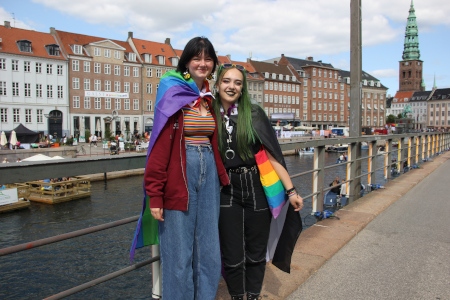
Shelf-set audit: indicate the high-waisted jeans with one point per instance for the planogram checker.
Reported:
(244, 226)
(189, 241)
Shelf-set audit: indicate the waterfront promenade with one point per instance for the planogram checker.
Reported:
(393, 243)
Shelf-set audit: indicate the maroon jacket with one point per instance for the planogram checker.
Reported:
(165, 174)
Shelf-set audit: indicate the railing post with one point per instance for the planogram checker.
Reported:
(354, 171)
(371, 164)
(318, 179)
(408, 158)
(417, 140)
(400, 155)
(156, 274)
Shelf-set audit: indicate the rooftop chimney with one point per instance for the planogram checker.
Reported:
(167, 41)
(310, 58)
(130, 34)
(7, 24)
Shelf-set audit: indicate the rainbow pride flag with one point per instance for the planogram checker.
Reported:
(272, 185)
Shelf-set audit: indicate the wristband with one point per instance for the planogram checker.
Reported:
(290, 190)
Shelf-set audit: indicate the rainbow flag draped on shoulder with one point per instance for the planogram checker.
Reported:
(172, 86)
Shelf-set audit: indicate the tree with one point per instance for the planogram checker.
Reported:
(390, 119)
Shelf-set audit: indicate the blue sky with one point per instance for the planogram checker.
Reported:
(260, 29)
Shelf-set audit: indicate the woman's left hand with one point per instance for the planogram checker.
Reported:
(296, 202)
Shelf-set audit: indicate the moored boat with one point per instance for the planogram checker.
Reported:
(337, 148)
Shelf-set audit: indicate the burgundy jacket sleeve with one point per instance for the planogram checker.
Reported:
(155, 175)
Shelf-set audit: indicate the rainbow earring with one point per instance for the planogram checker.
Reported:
(210, 76)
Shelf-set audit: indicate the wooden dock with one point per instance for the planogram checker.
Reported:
(60, 191)
(22, 196)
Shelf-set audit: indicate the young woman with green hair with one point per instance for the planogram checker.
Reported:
(245, 218)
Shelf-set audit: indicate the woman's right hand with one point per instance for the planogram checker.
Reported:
(157, 213)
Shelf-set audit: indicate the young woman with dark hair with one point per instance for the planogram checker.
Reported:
(245, 217)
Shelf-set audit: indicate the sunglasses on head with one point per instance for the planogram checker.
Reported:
(228, 66)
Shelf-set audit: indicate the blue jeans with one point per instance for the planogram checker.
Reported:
(189, 240)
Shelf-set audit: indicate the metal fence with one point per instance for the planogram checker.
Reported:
(411, 151)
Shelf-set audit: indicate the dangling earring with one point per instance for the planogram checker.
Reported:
(186, 74)
(210, 76)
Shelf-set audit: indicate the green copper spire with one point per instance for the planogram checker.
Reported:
(411, 48)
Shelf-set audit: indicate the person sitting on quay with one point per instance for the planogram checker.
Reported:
(336, 184)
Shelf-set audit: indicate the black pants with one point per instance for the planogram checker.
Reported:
(244, 225)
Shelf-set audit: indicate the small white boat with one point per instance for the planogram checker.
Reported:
(306, 151)
(337, 148)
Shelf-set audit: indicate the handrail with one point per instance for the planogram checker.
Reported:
(421, 151)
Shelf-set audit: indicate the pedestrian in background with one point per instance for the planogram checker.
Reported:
(183, 175)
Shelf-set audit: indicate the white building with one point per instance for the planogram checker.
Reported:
(33, 82)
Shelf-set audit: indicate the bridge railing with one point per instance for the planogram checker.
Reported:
(412, 150)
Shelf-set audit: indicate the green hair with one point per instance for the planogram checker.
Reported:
(246, 134)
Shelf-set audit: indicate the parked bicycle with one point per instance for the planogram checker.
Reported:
(82, 150)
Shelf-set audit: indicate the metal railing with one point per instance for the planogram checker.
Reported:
(419, 148)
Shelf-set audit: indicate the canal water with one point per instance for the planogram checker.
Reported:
(48, 270)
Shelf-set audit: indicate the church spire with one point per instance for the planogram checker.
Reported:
(411, 46)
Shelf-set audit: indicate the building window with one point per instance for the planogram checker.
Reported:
(126, 87)
(75, 65)
(149, 88)
(4, 115)
(116, 86)
(77, 49)
(24, 46)
(149, 72)
(107, 69)
(131, 56)
(2, 88)
(117, 104)
(49, 69)
(87, 84)
(158, 72)
(107, 85)
(87, 66)
(15, 65)
(39, 90)
(117, 54)
(60, 92)
(107, 53)
(15, 89)
(149, 105)
(26, 66)
(49, 91)
(38, 68)
(97, 85)
(59, 69)
(2, 64)
(97, 51)
(39, 115)
(27, 115)
(87, 102)
(126, 71)
(116, 70)
(126, 104)
(136, 87)
(52, 50)
(135, 72)
(135, 104)
(76, 83)
(107, 103)
(97, 67)
(97, 103)
(76, 102)
(27, 89)
(16, 115)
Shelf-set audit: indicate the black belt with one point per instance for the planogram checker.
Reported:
(241, 170)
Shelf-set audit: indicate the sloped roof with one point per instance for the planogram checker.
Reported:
(10, 36)
(68, 38)
(298, 63)
(155, 49)
(263, 67)
(441, 94)
(364, 76)
(420, 96)
(400, 96)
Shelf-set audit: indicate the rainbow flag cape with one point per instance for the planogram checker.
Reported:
(172, 86)
(272, 185)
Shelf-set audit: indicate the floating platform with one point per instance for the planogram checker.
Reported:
(14, 197)
(59, 191)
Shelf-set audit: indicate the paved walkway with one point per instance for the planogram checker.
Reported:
(393, 243)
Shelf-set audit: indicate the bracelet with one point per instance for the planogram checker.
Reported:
(292, 194)
(291, 190)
